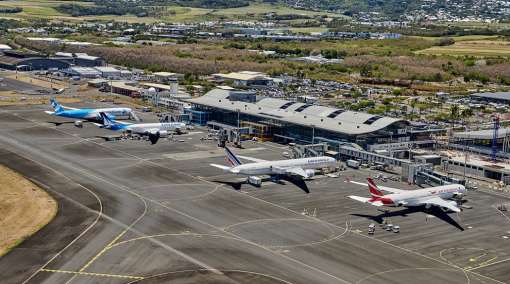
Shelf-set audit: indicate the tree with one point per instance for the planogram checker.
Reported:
(466, 114)
(397, 92)
(454, 114)
(445, 41)
(413, 103)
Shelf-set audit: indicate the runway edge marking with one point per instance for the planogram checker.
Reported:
(93, 274)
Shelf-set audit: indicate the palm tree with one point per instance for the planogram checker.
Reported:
(413, 105)
(466, 114)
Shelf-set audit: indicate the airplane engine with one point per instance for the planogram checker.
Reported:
(163, 133)
(458, 195)
(78, 123)
(400, 204)
(310, 173)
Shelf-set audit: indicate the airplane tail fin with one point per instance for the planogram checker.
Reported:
(56, 106)
(374, 190)
(107, 122)
(232, 159)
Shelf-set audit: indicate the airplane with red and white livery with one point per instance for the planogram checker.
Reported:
(441, 196)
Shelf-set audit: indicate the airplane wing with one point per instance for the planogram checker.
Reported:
(122, 122)
(225, 168)
(385, 188)
(438, 201)
(152, 130)
(296, 171)
(359, 198)
(252, 159)
(69, 108)
(366, 200)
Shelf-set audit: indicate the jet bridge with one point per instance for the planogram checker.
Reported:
(311, 150)
(431, 177)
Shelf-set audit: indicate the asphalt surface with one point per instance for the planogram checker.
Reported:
(131, 212)
(8, 84)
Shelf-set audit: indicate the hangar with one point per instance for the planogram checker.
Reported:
(13, 60)
(297, 122)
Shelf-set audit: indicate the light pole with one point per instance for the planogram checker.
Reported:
(465, 160)
(313, 134)
(238, 120)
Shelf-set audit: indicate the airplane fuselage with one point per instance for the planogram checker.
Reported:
(94, 114)
(142, 128)
(417, 197)
(275, 167)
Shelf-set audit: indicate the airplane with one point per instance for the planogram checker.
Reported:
(304, 167)
(153, 130)
(88, 114)
(433, 196)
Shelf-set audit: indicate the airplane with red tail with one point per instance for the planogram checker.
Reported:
(441, 196)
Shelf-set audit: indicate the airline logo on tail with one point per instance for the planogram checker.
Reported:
(374, 190)
(56, 106)
(107, 122)
(231, 158)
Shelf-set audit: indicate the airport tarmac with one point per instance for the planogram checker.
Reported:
(131, 212)
(9, 84)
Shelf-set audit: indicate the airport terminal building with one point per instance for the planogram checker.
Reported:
(289, 121)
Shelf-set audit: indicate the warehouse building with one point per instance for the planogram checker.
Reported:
(289, 121)
(166, 77)
(497, 97)
(109, 72)
(83, 72)
(81, 59)
(122, 88)
(245, 79)
(25, 61)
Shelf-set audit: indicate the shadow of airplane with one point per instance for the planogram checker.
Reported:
(434, 211)
(300, 183)
(297, 181)
(58, 123)
(233, 184)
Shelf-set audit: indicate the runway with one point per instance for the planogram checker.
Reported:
(130, 212)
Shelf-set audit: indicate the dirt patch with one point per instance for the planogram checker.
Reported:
(39, 82)
(15, 99)
(24, 209)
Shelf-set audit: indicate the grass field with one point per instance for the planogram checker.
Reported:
(309, 30)
(46, 9)
(479, 48)
(477, 25)
(37, 8)
(459, 38)
(24, 207)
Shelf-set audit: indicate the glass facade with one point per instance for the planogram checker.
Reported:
(305, 134)
(197, 116)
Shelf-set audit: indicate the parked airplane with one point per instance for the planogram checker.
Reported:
(153, 130)
(304, 167)
(88, 114)
(433, 196)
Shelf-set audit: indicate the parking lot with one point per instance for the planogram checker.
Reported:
(131, 212)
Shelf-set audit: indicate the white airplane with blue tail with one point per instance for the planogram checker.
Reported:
(153, 130)
(88, 114)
